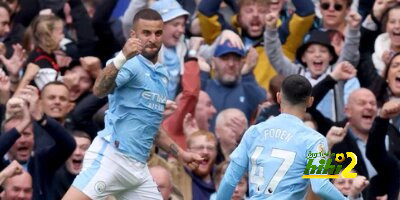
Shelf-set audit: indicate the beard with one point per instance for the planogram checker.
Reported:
(229, 81)
(151, 55)
(203, 173)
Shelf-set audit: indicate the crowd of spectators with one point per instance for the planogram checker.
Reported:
(226, 60)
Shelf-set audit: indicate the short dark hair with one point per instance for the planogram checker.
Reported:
(54, 83)
(296, 89)
(5, 6)
(147, 14)
(81, 134)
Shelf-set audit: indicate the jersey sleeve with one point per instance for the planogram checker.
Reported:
(232, 176)
(322, 186)
(319, 146)
(125, 74)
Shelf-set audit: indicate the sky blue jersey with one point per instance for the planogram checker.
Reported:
(274, 154)
(136, 106)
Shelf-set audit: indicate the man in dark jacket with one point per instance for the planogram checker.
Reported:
(231, 89)
(361, 110)
(19, 143)
(67, 173)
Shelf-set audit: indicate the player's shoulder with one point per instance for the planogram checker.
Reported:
(132, 62)
(253, 132)
(311, 133)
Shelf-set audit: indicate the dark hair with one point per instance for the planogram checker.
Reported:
(147, 14)
(5, 6)
(295, 89)
(385, 16)
(81, 134)
(386, 71)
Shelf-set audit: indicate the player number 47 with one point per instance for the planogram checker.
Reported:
(257, 172)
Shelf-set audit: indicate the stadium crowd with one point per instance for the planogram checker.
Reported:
(226, 60)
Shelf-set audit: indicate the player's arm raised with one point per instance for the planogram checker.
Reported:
(165, 142)
(105, 82)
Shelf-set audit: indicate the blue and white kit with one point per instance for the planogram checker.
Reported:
(116, 161)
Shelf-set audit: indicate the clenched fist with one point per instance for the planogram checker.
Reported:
(132, 47)
(271, 20)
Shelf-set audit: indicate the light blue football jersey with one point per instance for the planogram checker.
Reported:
(274, 154)
(136, 107)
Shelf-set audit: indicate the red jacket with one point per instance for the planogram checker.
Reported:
(187, 103)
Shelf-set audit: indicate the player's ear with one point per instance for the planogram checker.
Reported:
(279, 97)
(310, 101)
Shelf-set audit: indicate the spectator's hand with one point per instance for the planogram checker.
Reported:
(14, 64)
(62, 59)
(203, 65)
(237, 125)
(31, 95)
(390, 109)
(195, 43)
(233, 38)
(5, 87)
(386, 56)
(380, 7)
(354, 19)
(14, 107)
(132, 47)
(170, 107)
(92, 65)
(336, 135)
(343, 71)
(17, 107)
(189, 124)
(71, 80)
(14, 168)
(251, 61)
(191, 159)
(271, 20)
(359, 184)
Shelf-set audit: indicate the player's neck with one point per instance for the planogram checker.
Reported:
(294, 110)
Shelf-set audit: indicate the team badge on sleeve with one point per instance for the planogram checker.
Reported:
(320, 148)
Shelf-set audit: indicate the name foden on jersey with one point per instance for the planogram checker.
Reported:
(278, 133)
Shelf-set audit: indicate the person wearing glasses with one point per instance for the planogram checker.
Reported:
(334, 13)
